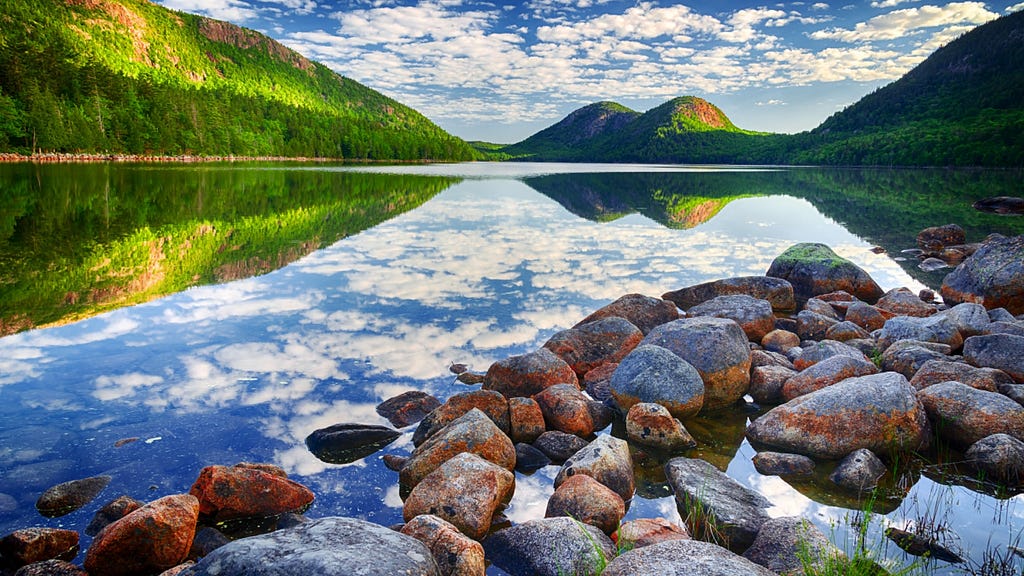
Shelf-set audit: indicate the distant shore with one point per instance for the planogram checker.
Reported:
(67, 158)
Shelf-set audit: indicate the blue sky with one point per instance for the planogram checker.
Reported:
(500, 71)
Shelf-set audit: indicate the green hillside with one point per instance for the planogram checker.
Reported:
(131, 76)
(573, 137)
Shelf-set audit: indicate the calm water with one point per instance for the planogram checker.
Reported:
(487, 261)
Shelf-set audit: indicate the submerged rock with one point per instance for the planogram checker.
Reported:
(1000, 205)
(67, 497)
(344, 443)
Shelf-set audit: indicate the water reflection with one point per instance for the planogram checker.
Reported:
(484, 269)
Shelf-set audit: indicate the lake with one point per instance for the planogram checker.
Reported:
(372, 280)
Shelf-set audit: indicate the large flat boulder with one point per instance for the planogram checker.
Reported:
(879, 412)
(778, 292)
(326, 546)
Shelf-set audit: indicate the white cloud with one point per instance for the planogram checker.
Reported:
(1015, 8)
(900, 23)
(230, 10)
(889, 3)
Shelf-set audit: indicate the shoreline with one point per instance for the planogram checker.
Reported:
(88, 158)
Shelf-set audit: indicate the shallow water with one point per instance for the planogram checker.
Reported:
(492, 262)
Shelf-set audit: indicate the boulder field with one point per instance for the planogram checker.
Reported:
(840, 371)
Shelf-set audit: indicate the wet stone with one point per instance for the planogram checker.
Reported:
(408, 407)
(149, 540)
(67, 497)
(206, 540)
(394, 462)
(566, 409)
(231, 493)
(859, 471)
(348, 442)
(937, 237)
(559, 446)
(597, 382)
(783, 544)
(30, 545)
(530, 459)
(782, 464)
(644, 312)
(111, 511)
(999, 457)
(993, 276)
(582, 498)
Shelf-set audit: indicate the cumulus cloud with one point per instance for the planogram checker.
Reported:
(900, 23)
(231, 10)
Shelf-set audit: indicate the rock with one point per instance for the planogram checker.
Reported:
(926, 295)
(530, 459)
(1000, 205)
(69, 496)
(813, 326)
(601, 414)
(641, 311)
(206, 540)
(845, 331)
(783, 544)
(471, 378)
(323, 546)
(179, 569)
(655, 374)
(112, 511)
(821, 307)
(866, 316)
(932, 264)
(559, 446)
(760, 358)
(970, 319)
(993, 277)
(780, 341)
(815, 269)
(903, 302)
(781, 464)
(754, 315)
(937, 237)
(566, 409)
(472, 432)
(584, 499)
(344, 443)
(466, 490)
(811, 355)
(1000, 315)
(491, 403)
(1014, 392)
(528, 374)
(683, 558)
(826, 373)
(597, 382)
(272, 469)
(51, 568)
(878, 412)
(231, 493)
(939, 329)
(408, 407)
(652, 425)
(394, 462)
(936, 371)
(1000, 351)
(921, 546)
(860, 470)
(647, 531)
(526, 421)
(778, 293)
(1000, 457)
(454, 553)
(30, 545)
(606, 460)
(965, 415)
(716, 347)
(151, 539)
(766, 383)
(908, 356)
(550, 547)
(726, 507)
(589, 345)
(1013, 328)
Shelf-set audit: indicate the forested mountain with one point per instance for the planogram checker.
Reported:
(131, 76)
(962, 106)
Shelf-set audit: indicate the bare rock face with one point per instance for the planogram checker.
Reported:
(779, 293)
(341, 545)
(879, 412)
(151, 539)
(965, 415)
(814, 269)
(993, 277)
(472, 432)
(716, 347)
(528, 374)
(465, 490)
(644, 312)
(590, 345)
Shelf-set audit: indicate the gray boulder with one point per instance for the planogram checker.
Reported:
(326, 547)
(993, 277)
(683, 558)
(878, 412)
(655, 374)
(782, 542)
(717, 348)
(908, 356)
(550, 547)
(781, 464)
(818, 351)
(606, 460)
(732, 510)
(777, 292)
(965, 415)
(754, 315)
(939, 329)
(859, 471)
(1000, 351)
(970, 319)
(999, 457)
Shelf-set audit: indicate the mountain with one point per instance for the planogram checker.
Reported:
(685, 129)
(131, 76)
(962, 106)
